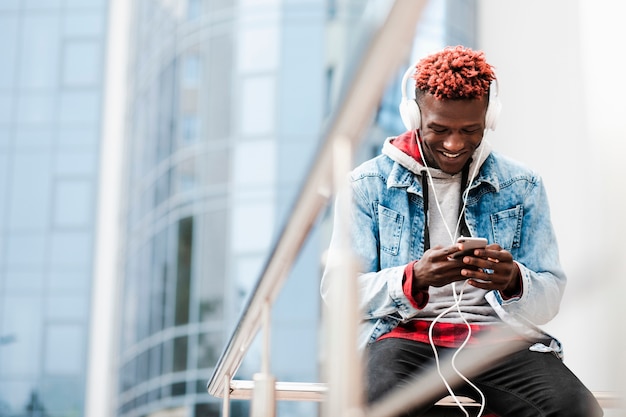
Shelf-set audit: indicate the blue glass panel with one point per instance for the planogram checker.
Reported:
(8, 48)
(85, 4)
(83, 163)
(4, 170)
(36, 108)
(26, 249)
(29, 197)
(156, 361)
(67, 307)
(12, 5)
(194, 9)
(6, 108)
(41, 4)
(79, 107)
(184, 176)
(180, 353)
(24, 281)
(14, 395)
(22, 322)
(158, 289)
(82, 63)
(191, 70)
(39, 52)
(218, 93)
(210, 346)
(64, 351)
(63, 279)
(190, 126)
(217, 166)
(34, 139)
(5, 139)
(83, 23)
(63, 396)
(73, 203)
(209, 288)
(79, 137)
(70, 249)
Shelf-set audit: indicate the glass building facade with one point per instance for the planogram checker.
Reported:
(225, 110)
(227, 103)
(51, 87)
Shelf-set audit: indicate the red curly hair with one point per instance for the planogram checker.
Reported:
(454, 73)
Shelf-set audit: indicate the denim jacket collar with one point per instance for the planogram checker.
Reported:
(405, 166)
(488, 175)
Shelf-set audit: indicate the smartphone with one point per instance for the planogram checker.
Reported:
(469, 243)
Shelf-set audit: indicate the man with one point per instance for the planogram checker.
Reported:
(436, 182)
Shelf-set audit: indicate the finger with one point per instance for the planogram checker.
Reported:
(485, 276)
(495, 251)
(494, 246)
(438, 253)
(479, 283)
(501, 256)
(476, 273)
(455, 253)
(477, 261)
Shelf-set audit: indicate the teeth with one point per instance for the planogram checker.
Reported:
(450, 155)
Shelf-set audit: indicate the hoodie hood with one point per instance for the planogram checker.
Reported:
(403, 149)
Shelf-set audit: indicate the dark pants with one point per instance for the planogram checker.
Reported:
(524, 384)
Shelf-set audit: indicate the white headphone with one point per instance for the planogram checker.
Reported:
(410, 111)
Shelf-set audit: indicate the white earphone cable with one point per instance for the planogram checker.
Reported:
(459, 297)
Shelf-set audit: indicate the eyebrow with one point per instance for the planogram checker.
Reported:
(435, 124)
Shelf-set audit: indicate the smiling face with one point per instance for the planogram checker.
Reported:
(451, 130)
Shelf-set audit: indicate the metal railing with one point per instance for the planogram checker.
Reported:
(383, 54)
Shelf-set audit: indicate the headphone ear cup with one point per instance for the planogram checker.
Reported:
(493, 108)
(410, 114)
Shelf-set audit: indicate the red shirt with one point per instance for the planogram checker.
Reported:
(451, 335)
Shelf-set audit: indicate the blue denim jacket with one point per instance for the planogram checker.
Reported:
(507, 204)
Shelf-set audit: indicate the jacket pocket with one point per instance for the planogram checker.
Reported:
(507, 227)
(389, 229)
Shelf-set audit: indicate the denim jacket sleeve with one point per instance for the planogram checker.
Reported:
(381, 294)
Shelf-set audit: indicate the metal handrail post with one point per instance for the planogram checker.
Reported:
(264, 392)
(343, 367)
(226, 400)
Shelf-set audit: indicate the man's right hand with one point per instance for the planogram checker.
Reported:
(436, 269)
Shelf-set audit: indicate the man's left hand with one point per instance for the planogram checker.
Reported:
(495, 270)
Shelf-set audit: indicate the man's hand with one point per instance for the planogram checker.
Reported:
(435, 269)
(492, 268)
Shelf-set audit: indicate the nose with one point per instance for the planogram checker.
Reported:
(454, 143)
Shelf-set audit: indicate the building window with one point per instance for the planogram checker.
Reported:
(183, 270)
(180, 354)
